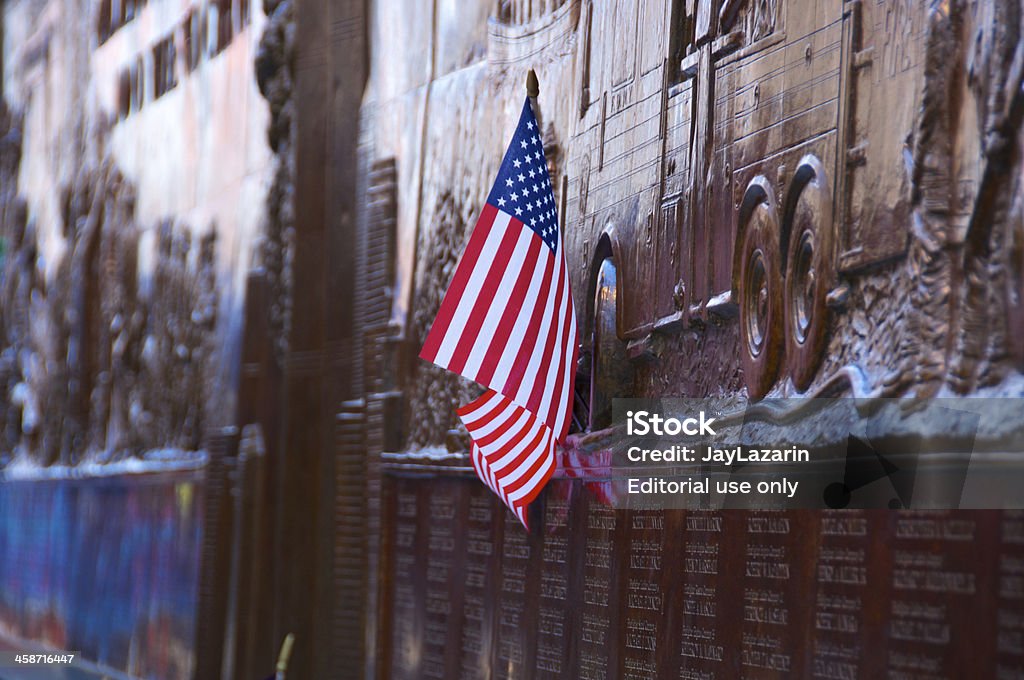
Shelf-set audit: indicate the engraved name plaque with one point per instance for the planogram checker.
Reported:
(703, 637)
(406, 602)
(442, 620)
(841, 595)
(479, 585)
(595, 622)
(642, 627)
(517, 600)
(553, 612)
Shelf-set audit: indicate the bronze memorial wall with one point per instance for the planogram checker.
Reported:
(598, 593)
(757, 200)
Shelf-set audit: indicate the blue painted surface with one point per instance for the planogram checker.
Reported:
(106, 566)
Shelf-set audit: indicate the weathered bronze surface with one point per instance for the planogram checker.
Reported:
(758, 199)
(644, 594)
(102, 368)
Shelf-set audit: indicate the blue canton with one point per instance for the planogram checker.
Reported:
(523, 187)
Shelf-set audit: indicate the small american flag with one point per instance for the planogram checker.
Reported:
(508, 322)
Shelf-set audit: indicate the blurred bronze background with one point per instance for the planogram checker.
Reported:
(227, 225)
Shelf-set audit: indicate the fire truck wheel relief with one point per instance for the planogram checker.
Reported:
(761, 297)
(809, 262)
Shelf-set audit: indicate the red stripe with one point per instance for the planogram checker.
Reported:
(486, 298)
(522, 481)
(462, 273)
(476, 425)
(547, 351)
(481, 420)
(537, 488)
(521, 516)
(563, 348)
(484, 420)
(529, 345)
(497, 432)
(474, 456)
(570, 386)
(514, 464)
(481, 471)
(509, 316)
(475, 404)
(516, 439)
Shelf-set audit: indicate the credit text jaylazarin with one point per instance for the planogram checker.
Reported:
(641, 423)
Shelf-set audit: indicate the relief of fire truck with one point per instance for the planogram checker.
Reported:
(731, 180)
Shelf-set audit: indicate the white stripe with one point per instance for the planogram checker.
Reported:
(565, 383)
(530, 379)
(515, 338)
(474, 456)
(472, 292)
(524, 418)
(508, 434)
(482, 471)
(481, 410)
(496, 469)
(499, 306)
(542, 450)
(531, 485)
(485, 474)
(507, 411)
(551, 385)
(535, 480)
(503, 462)
(467, 420)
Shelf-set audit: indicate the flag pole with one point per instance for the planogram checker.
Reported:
(284, 657)
(532, 92)
(532, 85)
(534, 509)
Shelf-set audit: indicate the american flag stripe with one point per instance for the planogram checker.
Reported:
(551, 400)
(553, 338)
(484, 416)
(516, 449)
(486, 315)
(503, 331)
(528, 349)
(474, 289)
(517, 341)
(565, 378)
(481, 471)
(514, 464)
(446, 325)
(506, 433)
(488, 416)
(478, 307)
(505, 450)
(540, 364)
(567, 381)
(508, 322)
(524, 491)
(475, 458)
(484, 413)
(522, 464)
